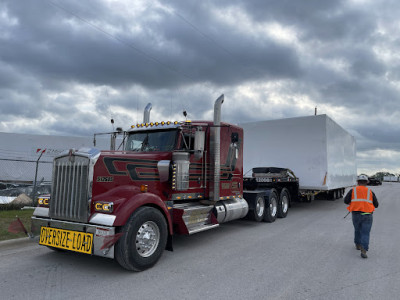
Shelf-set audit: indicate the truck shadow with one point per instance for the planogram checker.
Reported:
(184, 244)
(88, 263)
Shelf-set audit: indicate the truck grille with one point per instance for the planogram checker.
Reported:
(69, 199)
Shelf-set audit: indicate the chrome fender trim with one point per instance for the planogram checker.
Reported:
(41, 212)
(102, 219)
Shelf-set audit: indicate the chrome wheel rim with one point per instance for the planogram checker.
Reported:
(260, 207)
(147, 239)
(285, 204)
(273, 207)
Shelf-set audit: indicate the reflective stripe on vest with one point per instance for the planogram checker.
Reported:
(369, 200)
(361, 204)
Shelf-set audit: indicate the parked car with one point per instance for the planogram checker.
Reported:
(374, 181)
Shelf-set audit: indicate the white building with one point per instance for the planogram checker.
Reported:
(20, 152)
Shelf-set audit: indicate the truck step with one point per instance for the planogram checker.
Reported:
(200, 228)
(196, 217)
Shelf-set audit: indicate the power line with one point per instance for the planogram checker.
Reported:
(148, 56)
(203, 34)
(141, 52)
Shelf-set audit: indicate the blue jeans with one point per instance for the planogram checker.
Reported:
(362, 228)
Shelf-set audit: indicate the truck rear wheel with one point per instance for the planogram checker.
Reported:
(143, 241)
(271, 207)
(283, 203)
(258, 212)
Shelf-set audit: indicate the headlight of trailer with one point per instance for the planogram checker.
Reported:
(104, 207)
(43, 201)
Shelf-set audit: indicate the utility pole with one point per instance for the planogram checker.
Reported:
(37, 167)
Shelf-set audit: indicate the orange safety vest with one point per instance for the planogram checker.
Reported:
(361, 200)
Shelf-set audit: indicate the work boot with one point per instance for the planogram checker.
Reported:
(363, 253)
(358, 246)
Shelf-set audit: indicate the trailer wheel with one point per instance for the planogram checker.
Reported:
(258, 212)
(283, 203)
(335, 195)
(143, 241)
(331, 195)
(271, 207)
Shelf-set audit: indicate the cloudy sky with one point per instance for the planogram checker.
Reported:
(68, 67)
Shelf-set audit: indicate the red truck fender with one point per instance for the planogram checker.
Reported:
(139, 200)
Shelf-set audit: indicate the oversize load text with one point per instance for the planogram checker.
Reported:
(66, 239)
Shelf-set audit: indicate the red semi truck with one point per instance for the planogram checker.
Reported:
(171, 178)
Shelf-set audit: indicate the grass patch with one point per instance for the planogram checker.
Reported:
(11, 206)
(8, 216)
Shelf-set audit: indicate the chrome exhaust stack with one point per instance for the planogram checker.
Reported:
(146, 114)
(216, 149)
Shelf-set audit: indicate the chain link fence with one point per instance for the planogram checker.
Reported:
(17, 176)
(28, 159)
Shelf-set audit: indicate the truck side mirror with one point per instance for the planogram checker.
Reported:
(234, 137)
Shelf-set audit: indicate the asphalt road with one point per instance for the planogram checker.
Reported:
(308, 255)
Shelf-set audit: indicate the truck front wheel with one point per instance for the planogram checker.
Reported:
(143, 241)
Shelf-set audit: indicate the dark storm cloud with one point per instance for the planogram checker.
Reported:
(48, 45)
(315, 19)
(366, 64)
(68, 67)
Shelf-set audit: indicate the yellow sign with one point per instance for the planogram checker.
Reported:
(66, 239)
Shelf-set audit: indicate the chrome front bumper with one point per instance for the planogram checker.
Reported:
(100, 232)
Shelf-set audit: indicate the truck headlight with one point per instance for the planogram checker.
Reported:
(44, 201)
(105, 207)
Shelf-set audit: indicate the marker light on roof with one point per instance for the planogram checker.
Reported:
(162, 123)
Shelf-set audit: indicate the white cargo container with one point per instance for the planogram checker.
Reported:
(391, 178)
(319, 152)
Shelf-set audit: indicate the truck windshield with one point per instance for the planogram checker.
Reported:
(152, 141)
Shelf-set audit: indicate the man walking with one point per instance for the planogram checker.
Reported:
(362, 203)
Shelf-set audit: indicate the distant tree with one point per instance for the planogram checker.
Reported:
(380, 175)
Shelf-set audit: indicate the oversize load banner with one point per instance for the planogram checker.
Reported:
(66, 239)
